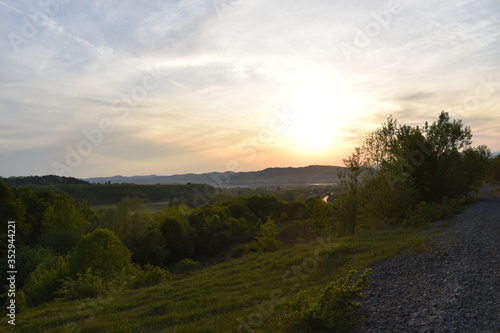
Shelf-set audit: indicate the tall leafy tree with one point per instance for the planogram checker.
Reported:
(102, 252)
(63, 224)
(349, 180)
(475, 163)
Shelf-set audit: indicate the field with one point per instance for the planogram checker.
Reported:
(152, 207)
(245, 293)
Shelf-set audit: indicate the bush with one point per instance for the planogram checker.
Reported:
(186, 265)
(45, 280)
(495, 169)
(427, 212)
(240, 250)
(333, 309)
(149, 276)
(267, 240)
(28, 259)
(102, 251)
(86, 285)
(21, 303)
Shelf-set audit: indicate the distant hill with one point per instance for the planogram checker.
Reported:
(314, 174)
(42, 181)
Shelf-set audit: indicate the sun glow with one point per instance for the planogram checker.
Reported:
(317, 119)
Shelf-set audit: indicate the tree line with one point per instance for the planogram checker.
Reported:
(402, 172)
(104, 194)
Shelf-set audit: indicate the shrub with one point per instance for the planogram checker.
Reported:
(45, 280)
(21, 303)
(450, 207)
(102, 251)
(187, 265)
(333, 309)
(86, 285)
(423, 214)
(149, 276)
(240, 250)
(267, 240)
(28, 259)
(427, 212)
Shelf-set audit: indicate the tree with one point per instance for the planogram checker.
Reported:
(127, 220)
(35, 212)
(447, 136)
(446, 139)
(387, 183)
(136, 228)
(267, 240)
(402, 165)
(11, 207)
(474, 163)
(177, 239)
(63, 224)
(102, 251)
(149, 247)
(349, 181)
(495, 169)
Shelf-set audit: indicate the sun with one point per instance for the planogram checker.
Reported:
(316, 119)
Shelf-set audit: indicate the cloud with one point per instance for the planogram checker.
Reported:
(227, 67)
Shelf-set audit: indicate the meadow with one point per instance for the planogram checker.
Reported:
(232, 295)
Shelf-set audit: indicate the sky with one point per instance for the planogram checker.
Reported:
(102, 88)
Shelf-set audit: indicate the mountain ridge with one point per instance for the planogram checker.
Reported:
(313, 174)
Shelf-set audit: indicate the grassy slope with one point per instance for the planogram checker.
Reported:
(213, 299)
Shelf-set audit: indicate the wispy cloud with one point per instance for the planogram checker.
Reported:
(227, 67)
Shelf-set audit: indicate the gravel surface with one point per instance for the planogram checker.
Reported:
(454, 286)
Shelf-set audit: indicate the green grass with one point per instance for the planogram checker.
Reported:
(219, 297)
(98, 207)
(152, 207)
(155, 207)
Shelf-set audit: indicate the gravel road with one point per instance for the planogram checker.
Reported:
(454, 286)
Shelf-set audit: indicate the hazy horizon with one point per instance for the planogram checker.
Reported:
(176, 174)
(98, 89)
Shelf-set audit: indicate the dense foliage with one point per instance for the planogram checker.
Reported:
(42, 181)
(400, 166)
(333, 309)
(102, 194)
(65, 249)
(495, 169)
